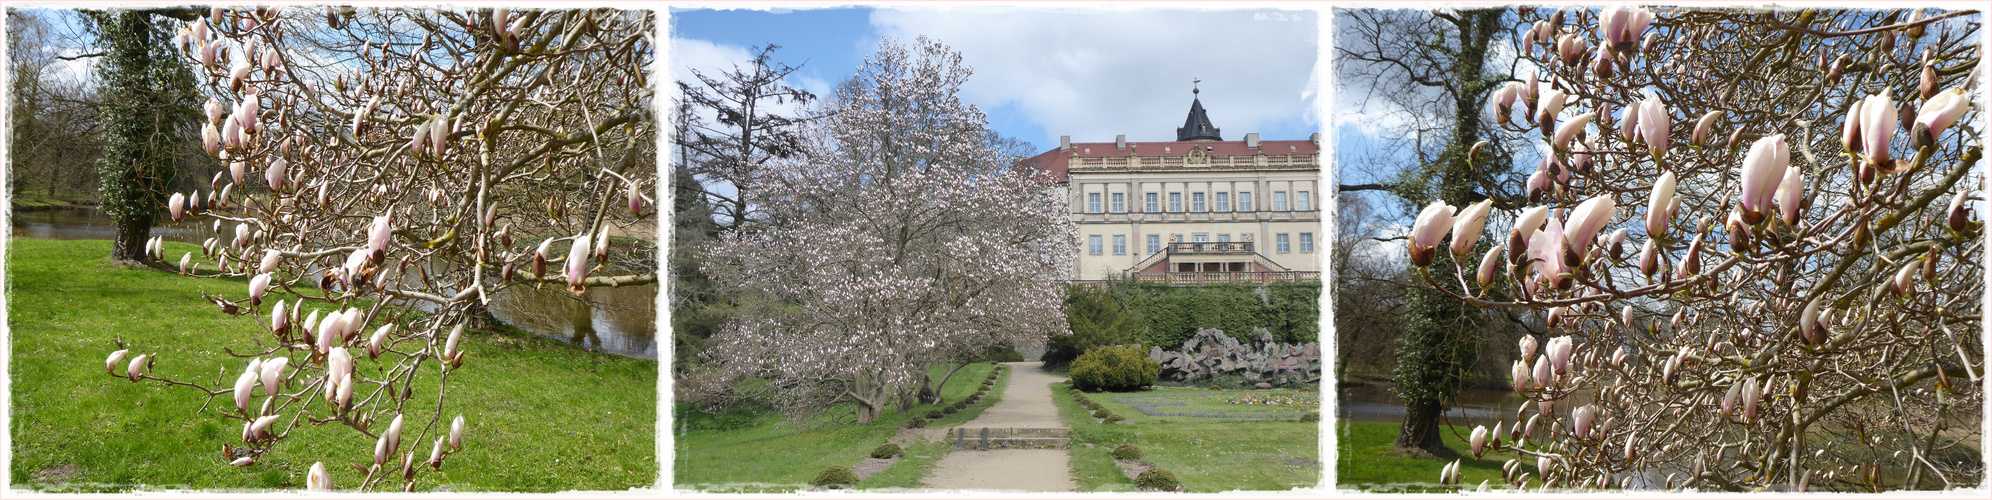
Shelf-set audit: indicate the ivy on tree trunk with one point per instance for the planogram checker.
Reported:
(147, 111)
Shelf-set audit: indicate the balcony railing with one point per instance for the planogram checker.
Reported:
(1211, 247)
(1193, 279)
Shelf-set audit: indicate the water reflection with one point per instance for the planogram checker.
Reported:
(620, 321)
(90, 224)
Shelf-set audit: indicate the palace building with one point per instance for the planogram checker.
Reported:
(1195, 210)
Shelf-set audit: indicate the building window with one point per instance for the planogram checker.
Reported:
(1093, 243)
(1279, 243)
(1306, 242)
(1196, 202)
(1120, 203)
(1221, 202)
(1300, 201)
(1279, 201)
(1120, 244)
(1244, 201)
(1152, 206)
(1154, 243)
(1200, 237)
(1224, 238)
(1175, 202)
(1092, 203)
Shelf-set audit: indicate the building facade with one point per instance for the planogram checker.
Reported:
(1195, 210)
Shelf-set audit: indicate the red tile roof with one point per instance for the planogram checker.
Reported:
(1054, 161)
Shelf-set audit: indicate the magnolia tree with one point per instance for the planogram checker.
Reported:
(1755, 251)
(902, 237)
(389, 171)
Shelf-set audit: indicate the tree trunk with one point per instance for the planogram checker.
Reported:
(935, 389)
(1421, 427)
(130, 244)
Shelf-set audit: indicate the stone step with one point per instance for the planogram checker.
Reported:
(1009, 437)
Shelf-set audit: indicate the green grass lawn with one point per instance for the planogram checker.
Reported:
(753, 450)
(543, 416)
(1207, 454)
(1367, 460)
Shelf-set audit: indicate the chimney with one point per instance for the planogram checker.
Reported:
(1252, 140)
(1064, 143)
(1120, 142)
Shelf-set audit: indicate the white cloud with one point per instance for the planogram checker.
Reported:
(1092, 74)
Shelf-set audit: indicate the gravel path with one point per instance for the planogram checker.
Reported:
(1026, 403)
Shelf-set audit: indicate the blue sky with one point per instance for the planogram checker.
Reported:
(1043, 72)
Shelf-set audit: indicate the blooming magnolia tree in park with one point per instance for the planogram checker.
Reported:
(389, 171)
(900, 239)
(1755, 251)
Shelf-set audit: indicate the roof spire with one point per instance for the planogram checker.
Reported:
(1197, 127)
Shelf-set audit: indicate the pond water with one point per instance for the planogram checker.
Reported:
(620, 321)
(1376, 403)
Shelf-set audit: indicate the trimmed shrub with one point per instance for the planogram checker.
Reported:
(1102, 414)
(1114, 418)
(1312, 416)
(949, 410)
(1095, 319)
(916, 423)
(1127, 452)
(887, 450)
(1115, 368)
(835, 475)
(934, 414)
(1157, 479)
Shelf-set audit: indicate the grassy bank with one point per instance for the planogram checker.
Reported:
(750, 450)
(1207, 454)
(543, 415)
(1368, 461)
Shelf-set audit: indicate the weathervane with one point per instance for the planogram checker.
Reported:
(1193, 85)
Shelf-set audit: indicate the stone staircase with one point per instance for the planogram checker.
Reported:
(988, 438)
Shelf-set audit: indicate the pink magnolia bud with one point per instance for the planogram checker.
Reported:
(1466, 228)
(1488, 266)
(1938, 113)
(1539, 182)
(339, 363)
(276, 175)
(1543, 464)
(439, 134)
(1877, 127)
(379, 231)
(1905, 280)
(1560, 349)
(436, 454)
(450, 345)
(273, 374)
(1584, 416)
(1651, 40)
(137, 367)
(1544, 377)
(1551, 104)
(243, 462)
(456, 433)
(393, 434)
(1763, 167)
(1587, 219)
(1629, 122)
(1958, 216)
(186, 260)
(176, 206)
(243, 384)
(1479, 439)
(1654, 122)
(215, 110)
(539, 258)
(1751, 395)
(635, 200)
(577, 262)
(247, 112)
(1690, 264)
(1530, 221)
(1702, 127)
(318, 479)
(1601, 61)
(1431, 226)
(1519, 376)
(111, 363)
(211, 139)
(1570, 129)
(360, 116)
(342, 397)
(381, 450)
(260, 428)
(1528, 344)
(420, 140)
(257, 286)
(1729, 399)
(1791, 194)
(378, 340)
(271, 258)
